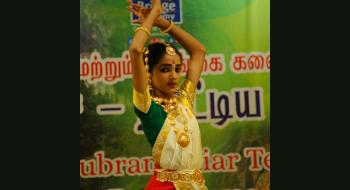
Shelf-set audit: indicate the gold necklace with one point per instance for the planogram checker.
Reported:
(170, 106)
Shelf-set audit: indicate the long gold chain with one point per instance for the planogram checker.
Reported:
(170, 106)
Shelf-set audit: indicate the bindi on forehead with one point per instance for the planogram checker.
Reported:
(170, 62)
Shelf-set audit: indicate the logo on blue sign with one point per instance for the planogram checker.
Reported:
(172, 9)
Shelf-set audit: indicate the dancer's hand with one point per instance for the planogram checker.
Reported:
(143, 12)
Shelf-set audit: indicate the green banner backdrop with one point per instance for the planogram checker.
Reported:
(232, 101)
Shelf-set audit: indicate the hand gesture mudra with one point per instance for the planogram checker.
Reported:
(143, 12)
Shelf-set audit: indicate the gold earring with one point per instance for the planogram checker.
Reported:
(149, 81)
(146, 52)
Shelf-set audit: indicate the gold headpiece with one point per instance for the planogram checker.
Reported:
(170, 50)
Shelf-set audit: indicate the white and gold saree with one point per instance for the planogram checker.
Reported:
(179, 164)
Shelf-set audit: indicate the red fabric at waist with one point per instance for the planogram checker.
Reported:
(154, 184)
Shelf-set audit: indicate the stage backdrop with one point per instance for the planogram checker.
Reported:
(232, 101)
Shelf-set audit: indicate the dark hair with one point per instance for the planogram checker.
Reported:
(156, 52)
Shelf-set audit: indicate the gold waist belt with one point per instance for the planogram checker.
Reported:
(180, 176)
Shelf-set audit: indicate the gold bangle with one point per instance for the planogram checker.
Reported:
(169, 27)
(143, 29)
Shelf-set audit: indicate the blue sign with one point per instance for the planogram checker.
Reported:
(172, 9)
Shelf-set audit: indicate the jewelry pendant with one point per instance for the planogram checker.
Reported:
(183, 139)
(170, 50)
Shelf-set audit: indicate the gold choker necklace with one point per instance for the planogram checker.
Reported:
(170, 106)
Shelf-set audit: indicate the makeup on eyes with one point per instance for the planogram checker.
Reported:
(168, 67)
